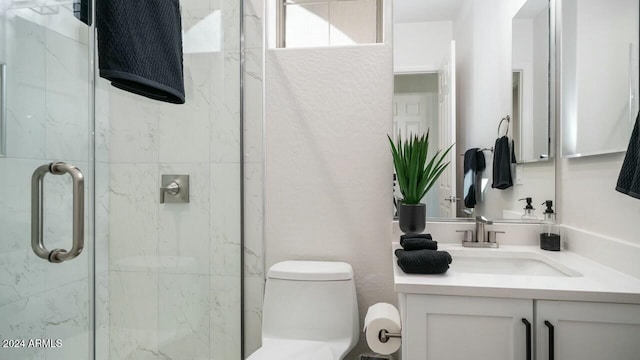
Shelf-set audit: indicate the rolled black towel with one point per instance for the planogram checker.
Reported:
(423, 261)
(418, 244)
(413, 236)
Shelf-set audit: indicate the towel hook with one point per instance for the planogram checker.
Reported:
(508, 120)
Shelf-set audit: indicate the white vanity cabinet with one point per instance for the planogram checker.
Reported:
(584, 330)
(437, 327)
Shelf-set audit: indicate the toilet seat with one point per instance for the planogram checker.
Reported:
(292, 350)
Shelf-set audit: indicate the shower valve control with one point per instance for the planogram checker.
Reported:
(174, 189)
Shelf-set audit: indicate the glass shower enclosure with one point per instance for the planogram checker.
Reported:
(92, 265)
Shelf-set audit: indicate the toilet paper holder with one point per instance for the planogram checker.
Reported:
(384, 336)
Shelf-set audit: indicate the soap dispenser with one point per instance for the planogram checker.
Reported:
(550, 235)
(528, 210)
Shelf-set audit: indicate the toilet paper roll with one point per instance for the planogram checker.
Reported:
(382, 316)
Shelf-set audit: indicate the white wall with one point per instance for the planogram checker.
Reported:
(588, 199)
(328, 167)
(421, 45)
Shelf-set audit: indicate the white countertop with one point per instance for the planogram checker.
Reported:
(597, 282)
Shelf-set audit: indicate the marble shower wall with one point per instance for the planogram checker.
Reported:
(47, 119)
(174, 269)
(254, 173)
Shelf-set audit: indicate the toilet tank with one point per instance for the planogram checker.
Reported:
(311, 300)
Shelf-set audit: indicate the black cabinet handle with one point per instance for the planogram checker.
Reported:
(551, 337)
(527, 324)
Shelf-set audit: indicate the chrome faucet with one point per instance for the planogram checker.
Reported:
(481, 221)
(482, 238)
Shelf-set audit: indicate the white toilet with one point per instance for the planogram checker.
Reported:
(310, 312)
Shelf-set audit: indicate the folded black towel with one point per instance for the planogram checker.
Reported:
(502, 159)
(413, 236)
(418, 244)
(629, 178)
(423, 261)
(140, 47)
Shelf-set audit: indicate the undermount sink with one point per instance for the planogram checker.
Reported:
(503, 262)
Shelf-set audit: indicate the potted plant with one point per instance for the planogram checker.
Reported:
(416, 175)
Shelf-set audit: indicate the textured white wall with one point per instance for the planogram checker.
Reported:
(328, 166)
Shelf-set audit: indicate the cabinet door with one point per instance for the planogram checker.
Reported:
(462, 328)
(585, 331)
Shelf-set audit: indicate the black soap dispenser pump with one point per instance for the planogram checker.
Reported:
(550, 235)
(528, 210)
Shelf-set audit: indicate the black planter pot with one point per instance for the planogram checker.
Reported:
(412, 217)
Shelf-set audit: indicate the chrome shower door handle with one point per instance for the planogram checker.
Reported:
(37, 212)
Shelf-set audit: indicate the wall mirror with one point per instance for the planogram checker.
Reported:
(599, 75)
(441, 52)
(531, 120)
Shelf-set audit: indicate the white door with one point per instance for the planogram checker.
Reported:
(587, 330)
(461, 328)
(409, 114)
(447, 134)
(409, 118)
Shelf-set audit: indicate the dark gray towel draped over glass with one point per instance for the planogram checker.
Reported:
(629, 179)
(140, 47)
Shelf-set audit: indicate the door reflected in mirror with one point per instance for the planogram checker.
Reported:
(422, 102)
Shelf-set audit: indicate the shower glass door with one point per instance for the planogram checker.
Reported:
(45, 305)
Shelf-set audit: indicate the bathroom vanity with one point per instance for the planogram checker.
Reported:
(519, 302)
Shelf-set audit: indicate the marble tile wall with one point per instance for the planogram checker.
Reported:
(174, 269)
(254, 272)
(47, 119)
(167, 276)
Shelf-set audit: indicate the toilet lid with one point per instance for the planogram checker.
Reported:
(293, 350)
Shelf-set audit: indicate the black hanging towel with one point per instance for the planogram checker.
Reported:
(140, 47)
(503, 157)
(629, 179)
(474, 165)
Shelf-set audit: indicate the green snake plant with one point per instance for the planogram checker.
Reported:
(416, 174)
